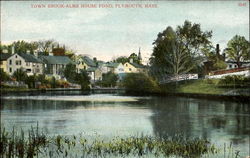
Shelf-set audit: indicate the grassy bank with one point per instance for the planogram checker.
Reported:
(206, 87)
(37, 144)
(196, 86)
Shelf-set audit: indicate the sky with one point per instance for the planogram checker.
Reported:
(107, 33)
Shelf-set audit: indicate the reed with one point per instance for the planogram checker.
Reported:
(35, 143)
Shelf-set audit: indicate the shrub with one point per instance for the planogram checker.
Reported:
(20, 75)
(4, 76)
(237, 80)
(140, 83)
(109, 79)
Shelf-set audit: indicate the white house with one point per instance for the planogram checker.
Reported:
(27, 62)
(54, 65)
(233, 64)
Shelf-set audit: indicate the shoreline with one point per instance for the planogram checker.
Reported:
(225, 97)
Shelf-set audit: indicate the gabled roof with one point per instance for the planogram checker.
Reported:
(113, 65)
(57, 60)
(30, 58)
(88, 61)
(91, 69)
(234, 62)
(137, 65)
(4, 56)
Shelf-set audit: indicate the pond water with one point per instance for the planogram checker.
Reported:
(108, 115)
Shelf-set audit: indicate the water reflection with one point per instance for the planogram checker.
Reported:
(216, 120)
(220, 121)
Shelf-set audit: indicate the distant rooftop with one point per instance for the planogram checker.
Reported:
(57, 59)
(30, 58)
(137, 65)
(88, 61)
(4, 56)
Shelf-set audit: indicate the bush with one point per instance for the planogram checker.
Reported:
(20, 75)
(83, 79)
(109, 79)
(4, 76)
(235, 80)
(30, 81)
(140, 83)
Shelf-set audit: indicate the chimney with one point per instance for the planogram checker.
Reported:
(13, 50)
(217, 50)
(36, 53)
(224, 56)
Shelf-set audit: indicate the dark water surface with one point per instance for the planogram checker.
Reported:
(108, 115)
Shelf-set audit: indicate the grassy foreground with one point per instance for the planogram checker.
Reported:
(37, 144)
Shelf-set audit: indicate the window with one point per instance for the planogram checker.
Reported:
(18, 62)
(10, 62)
(16, 56)
(130, 69)
(10, 69)
(126, 64)
(27, 64)
(84, 68)
(28, 70)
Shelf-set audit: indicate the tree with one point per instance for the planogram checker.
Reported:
(178, 52)
(23, 47)
(109, 79)
(30, 81)
(124, 59)
(20, 75)
(83, 79)
(238, 49)
(70, 72)
(121, 59)
(135, 58)
(140, 83)
(46, 46)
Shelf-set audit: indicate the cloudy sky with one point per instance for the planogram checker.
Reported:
(111, 32)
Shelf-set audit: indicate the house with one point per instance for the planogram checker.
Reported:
(233, 64)
(130, 67)
(84, 62)
(116, 68)
(243, 71)
(91, 66)
(29, 63)
(54, 65)
(95, 74)
(3, 61)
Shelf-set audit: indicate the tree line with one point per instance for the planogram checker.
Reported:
(43, 47)
(182, 50)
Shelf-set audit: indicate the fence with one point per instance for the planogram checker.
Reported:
(174, 78)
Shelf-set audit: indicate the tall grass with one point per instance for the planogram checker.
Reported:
(36, 144)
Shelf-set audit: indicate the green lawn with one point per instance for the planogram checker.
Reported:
(196, 86)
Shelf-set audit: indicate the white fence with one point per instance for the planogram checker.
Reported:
(245, 73)
(174, 78)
